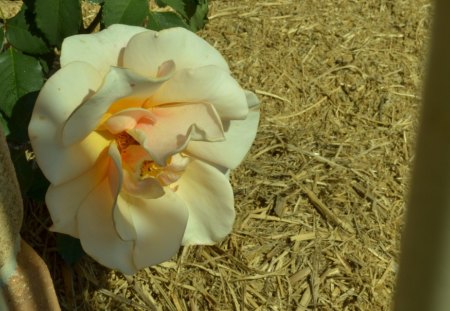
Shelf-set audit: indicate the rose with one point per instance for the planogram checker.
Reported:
(137, 133)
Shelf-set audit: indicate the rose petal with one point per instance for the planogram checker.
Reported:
(146, 51)
(119, 83)
(148, 188)
(128, 119)
(208, 84)
(165, 69)
(63, 211)
(238, 140)
(98, 235)
(122, 218)
(160, 224)
(101, 49)
(209, 198)
(252, 100)
(174, 127)
(59, 97)
(133, 157)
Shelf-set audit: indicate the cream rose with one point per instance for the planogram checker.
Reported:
(137, 133)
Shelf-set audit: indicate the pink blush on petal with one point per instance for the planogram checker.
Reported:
(129, 119)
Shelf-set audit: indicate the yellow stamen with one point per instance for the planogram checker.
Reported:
(151, 169)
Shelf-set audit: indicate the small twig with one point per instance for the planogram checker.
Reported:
(326, 212)
(259, 92)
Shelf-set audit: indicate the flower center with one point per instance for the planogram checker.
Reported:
(137, 160)
(124, 140)
(165, 175)
(149, 169)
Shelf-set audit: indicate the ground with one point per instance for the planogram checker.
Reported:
(320, 198)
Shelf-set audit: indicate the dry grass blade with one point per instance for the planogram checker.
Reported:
(326, 212)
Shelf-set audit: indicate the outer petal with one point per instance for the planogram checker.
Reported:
(208, 84)
(209, 197)
(97, 233)
(174, 127)
(101, 49)
(252, 100)
(64, 200)
(238, 139)
(160, 224)
(146, 51)
(59, 97)
(118, 83)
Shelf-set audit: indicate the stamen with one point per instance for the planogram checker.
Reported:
(139, 161)
(150, 169)
(167, 174)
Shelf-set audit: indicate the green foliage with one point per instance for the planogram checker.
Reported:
(58, 19)
(22, 33)
(160, 3)
(19, 75)
(180, 6)
(69, 248)
(20, 118)
(130, 12)
(162, 20)
(4, 125)
(20, 80)
(32, 182)
(194, 12)
(199, 18)
(2, 37)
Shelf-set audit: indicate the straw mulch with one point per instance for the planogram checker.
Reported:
(320, 197)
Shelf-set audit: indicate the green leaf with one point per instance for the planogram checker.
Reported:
(19, 75)
(32, 182)
(58, 19)
(129, 12)
(160, 3)
(198, 20)
(96, 1)
(22, 33)
(20, 118)
(44, 63)
(163, 20)
(69, 248)
(4, 125)
(39, 185)
(194, 12)
(179, 6)
(2, 36)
